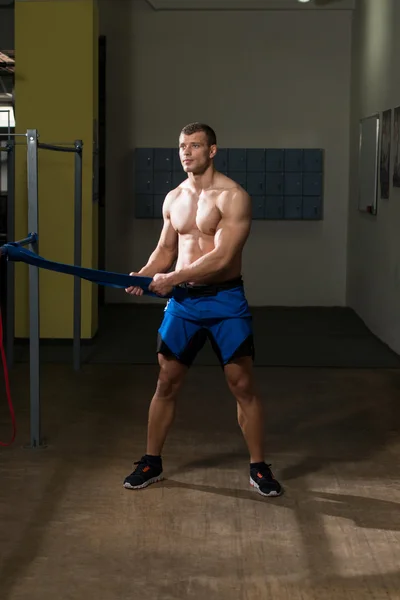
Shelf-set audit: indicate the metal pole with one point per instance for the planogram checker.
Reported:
(10, 325)
(77, 254)
(34, 321)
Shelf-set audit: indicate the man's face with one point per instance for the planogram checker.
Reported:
(195, 153)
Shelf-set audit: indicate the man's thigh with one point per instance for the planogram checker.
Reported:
(180, 338)
(232, 339)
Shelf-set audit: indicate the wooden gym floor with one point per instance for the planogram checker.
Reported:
(70, 531)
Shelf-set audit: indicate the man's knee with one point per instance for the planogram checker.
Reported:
(170, 377)
(239, 376)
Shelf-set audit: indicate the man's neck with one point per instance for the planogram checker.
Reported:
(203, 181)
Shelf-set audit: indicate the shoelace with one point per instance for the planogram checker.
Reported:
(266, 473)
(141, 464)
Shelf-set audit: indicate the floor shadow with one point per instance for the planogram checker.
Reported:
(369, 513)
(79, 423)
(213, 460)
(16, 562)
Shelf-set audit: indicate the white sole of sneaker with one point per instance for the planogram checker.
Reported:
(257, 487)
(128, 486)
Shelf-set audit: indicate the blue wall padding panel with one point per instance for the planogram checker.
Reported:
(284, 183)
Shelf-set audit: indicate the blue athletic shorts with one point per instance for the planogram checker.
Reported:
(219, 313)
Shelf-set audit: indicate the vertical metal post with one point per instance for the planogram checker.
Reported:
(77, 254)
(10, 325)
(34, 320)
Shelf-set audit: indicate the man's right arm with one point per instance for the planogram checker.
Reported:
(165, 253)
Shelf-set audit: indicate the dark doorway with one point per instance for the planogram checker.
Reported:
(102, 162)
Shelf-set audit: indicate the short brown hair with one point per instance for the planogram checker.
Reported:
(195, 127)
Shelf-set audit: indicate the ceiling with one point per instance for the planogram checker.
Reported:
(7, 67)
(7, 62)
(251, 5)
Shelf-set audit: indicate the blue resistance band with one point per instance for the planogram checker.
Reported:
(16, 253)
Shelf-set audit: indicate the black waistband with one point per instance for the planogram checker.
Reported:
(211, 289)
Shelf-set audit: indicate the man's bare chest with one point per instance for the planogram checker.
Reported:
(190, 212)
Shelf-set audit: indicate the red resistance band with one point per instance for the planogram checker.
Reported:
(7, 383)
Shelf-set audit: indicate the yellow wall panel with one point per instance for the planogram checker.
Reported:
(56, 93)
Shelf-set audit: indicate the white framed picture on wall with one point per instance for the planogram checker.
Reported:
(396, 144)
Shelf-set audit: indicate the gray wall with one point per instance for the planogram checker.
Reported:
(266, 79)
(374, 242)
(277, 78)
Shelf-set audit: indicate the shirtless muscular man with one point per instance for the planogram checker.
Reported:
(206, 222)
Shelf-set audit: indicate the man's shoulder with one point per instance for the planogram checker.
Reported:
(183, 187)
(230, 189)
(233, 199)
(174, 194)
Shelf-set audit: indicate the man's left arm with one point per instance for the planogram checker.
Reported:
(230, 238)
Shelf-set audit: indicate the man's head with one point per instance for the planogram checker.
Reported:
(197, 147)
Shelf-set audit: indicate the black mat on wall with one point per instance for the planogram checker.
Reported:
(287, 337)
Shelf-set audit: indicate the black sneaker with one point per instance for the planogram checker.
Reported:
(262, 478)
(145, 473)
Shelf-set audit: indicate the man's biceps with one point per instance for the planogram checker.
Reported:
(230, 238)
(236, 230)
(170, 240)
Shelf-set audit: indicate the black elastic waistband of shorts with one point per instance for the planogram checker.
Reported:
(211, 289)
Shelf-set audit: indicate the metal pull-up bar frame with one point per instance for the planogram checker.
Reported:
(33, 145)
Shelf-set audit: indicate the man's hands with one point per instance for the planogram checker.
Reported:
(133, 290)
(161, 285)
